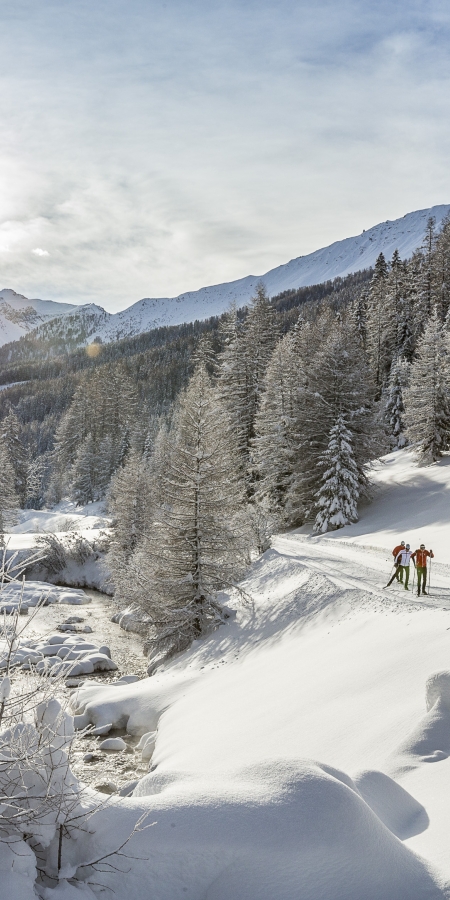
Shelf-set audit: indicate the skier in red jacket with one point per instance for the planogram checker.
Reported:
(420, 562)
(398, 567)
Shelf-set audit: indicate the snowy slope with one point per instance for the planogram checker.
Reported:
(18, 315)
(339, 259)
(321, 665)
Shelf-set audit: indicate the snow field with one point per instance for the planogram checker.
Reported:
(321, 665)
(253, 703)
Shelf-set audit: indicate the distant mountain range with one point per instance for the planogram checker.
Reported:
(80, 325)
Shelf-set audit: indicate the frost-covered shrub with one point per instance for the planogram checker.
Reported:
(58, 552)
(47, 820)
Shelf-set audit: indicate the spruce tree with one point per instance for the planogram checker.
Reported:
(338, 495)
(394, 409)
(338, 382)
(427, 399)
(379, 324)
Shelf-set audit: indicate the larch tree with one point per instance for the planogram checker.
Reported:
(100, 418)
(9, 500)
(130, 503)
(441, 272)
(274, 445)
(427, 400)
(199, 540)
(10, 438)
(337, 497)
(242, 368)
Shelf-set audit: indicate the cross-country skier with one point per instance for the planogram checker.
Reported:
(419, 558)
(398, 569)
(402, 561)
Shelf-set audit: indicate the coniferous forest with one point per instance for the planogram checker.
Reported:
(205, 438)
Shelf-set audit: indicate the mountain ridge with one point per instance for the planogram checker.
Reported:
(84, 324)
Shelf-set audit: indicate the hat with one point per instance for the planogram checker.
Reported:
(402, 543)
(408, 546)
(422, 546)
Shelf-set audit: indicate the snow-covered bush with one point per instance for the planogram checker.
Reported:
(57, 552)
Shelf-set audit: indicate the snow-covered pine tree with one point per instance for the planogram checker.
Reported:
(130, 502)
(379, 324)
(394, 409)
(442, 270)
(37, 478)
(242, 367)
(337, 498)
(9, 500)
(427, 400)
(198, 543)
(104, 407)
(427, 275)
(360, 316)
(10, 437)
(405, 343)
(274, 446)
(234, 384)
(85, 474)
(338, 382)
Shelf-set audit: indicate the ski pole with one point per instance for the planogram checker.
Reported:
(390, 573)
(429, 578)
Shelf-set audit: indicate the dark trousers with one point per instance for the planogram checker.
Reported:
(421, 578)
(399, 572)
(403, 569)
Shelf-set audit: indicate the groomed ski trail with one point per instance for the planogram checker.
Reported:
(357, 567)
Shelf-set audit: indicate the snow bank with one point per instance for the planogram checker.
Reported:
(65, 520)
(285, 830)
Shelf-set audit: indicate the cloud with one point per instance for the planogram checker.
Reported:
(161, 147)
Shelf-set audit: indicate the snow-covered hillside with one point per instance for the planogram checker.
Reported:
(303, 751)
(339, 259)
(19, 316)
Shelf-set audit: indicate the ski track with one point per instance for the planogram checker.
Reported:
(355, 567)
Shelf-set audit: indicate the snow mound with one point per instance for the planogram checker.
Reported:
(58, 655)
(438, 690)
(35, 593)
(290, 831)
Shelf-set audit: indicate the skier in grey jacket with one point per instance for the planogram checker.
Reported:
(402, 560)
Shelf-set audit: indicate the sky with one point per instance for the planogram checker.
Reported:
(149, 148)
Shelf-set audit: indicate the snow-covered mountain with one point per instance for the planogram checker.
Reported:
(19, 316)
(85, 323)
(339, 259)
